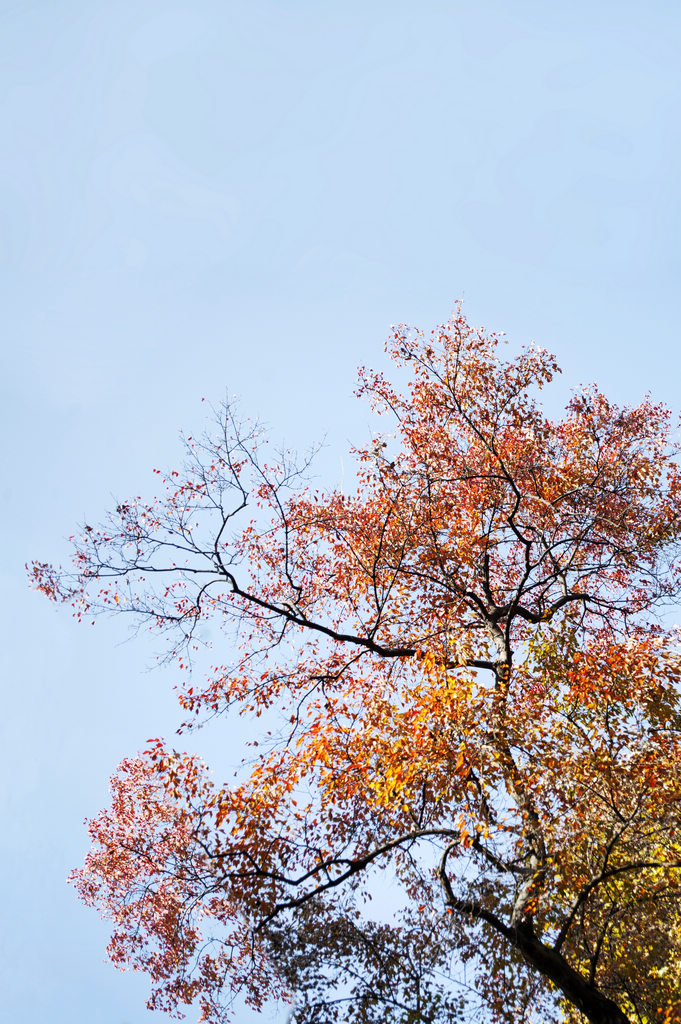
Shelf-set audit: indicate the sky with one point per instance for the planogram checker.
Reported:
(213, 197)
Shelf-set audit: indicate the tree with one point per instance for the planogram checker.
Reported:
(475, 695)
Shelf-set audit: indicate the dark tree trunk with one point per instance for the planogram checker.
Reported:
(596, 1007)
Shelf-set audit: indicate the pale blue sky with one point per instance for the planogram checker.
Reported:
(210, 195)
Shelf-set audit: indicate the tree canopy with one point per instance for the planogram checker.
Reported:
(474, 695)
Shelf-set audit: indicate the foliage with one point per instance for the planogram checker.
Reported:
(477, 698)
